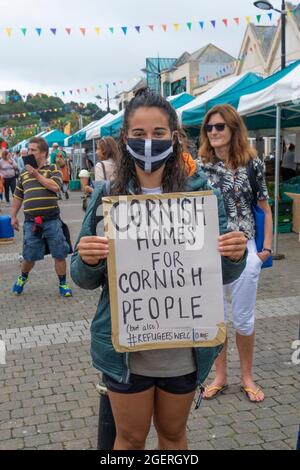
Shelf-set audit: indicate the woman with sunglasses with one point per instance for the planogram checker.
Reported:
(158, 384)
(225, 154)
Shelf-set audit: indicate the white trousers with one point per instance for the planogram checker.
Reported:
(243, 293)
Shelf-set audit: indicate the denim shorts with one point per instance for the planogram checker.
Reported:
(140, 383)
(34, 245)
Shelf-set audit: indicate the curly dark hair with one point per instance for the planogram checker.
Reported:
(175, 173)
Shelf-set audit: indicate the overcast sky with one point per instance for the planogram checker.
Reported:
(56, 63)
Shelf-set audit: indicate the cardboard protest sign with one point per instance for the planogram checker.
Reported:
(164, 270)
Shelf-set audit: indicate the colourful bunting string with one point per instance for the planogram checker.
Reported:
(83, 30)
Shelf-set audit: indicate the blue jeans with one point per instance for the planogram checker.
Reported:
(35, 244)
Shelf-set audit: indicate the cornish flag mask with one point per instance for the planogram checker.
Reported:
(149, 154)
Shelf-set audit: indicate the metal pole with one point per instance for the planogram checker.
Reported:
(94, 152)
(106, 423)
(107, 98)
(276, 255)
(283, 28)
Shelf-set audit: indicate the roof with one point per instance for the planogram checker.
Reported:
(265, 36)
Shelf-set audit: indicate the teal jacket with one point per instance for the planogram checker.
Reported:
(104, 357)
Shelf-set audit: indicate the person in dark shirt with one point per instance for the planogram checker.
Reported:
(43, 229)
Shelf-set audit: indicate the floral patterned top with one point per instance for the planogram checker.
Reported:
(237, 192)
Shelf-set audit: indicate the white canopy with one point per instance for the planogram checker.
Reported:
(94, 131)
(210, 94)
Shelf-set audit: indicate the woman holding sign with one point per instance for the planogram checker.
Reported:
(158, 384)
(226, 155)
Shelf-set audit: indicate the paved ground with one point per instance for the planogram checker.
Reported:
(47, 387)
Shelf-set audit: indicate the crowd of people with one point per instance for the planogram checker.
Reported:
(152, 157)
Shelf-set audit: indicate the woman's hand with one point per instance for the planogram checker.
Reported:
(233, 245)
(88, 190)
(264, 255)
(93, 249)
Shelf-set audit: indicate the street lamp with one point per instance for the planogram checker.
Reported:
(265, 5)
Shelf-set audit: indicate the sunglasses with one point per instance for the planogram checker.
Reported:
(219, 127)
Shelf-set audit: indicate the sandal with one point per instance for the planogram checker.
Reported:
(216, 389)
(247, 392)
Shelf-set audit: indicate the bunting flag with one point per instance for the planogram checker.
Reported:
(32, 113)
(165, 27)
(8, 31)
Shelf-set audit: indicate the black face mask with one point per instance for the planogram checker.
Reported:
(149, 154)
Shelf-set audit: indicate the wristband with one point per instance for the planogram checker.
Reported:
(267, 249)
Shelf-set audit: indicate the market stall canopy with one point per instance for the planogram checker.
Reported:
(193, 113)
(76, 137)
(177, 101)
(54, 136)
(113, 127)
(258, 102)
(94, 131)
(24, 143)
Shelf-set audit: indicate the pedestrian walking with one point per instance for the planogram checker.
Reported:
(225, 155)
(158, 384)
(8, 168)
(43, 228)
